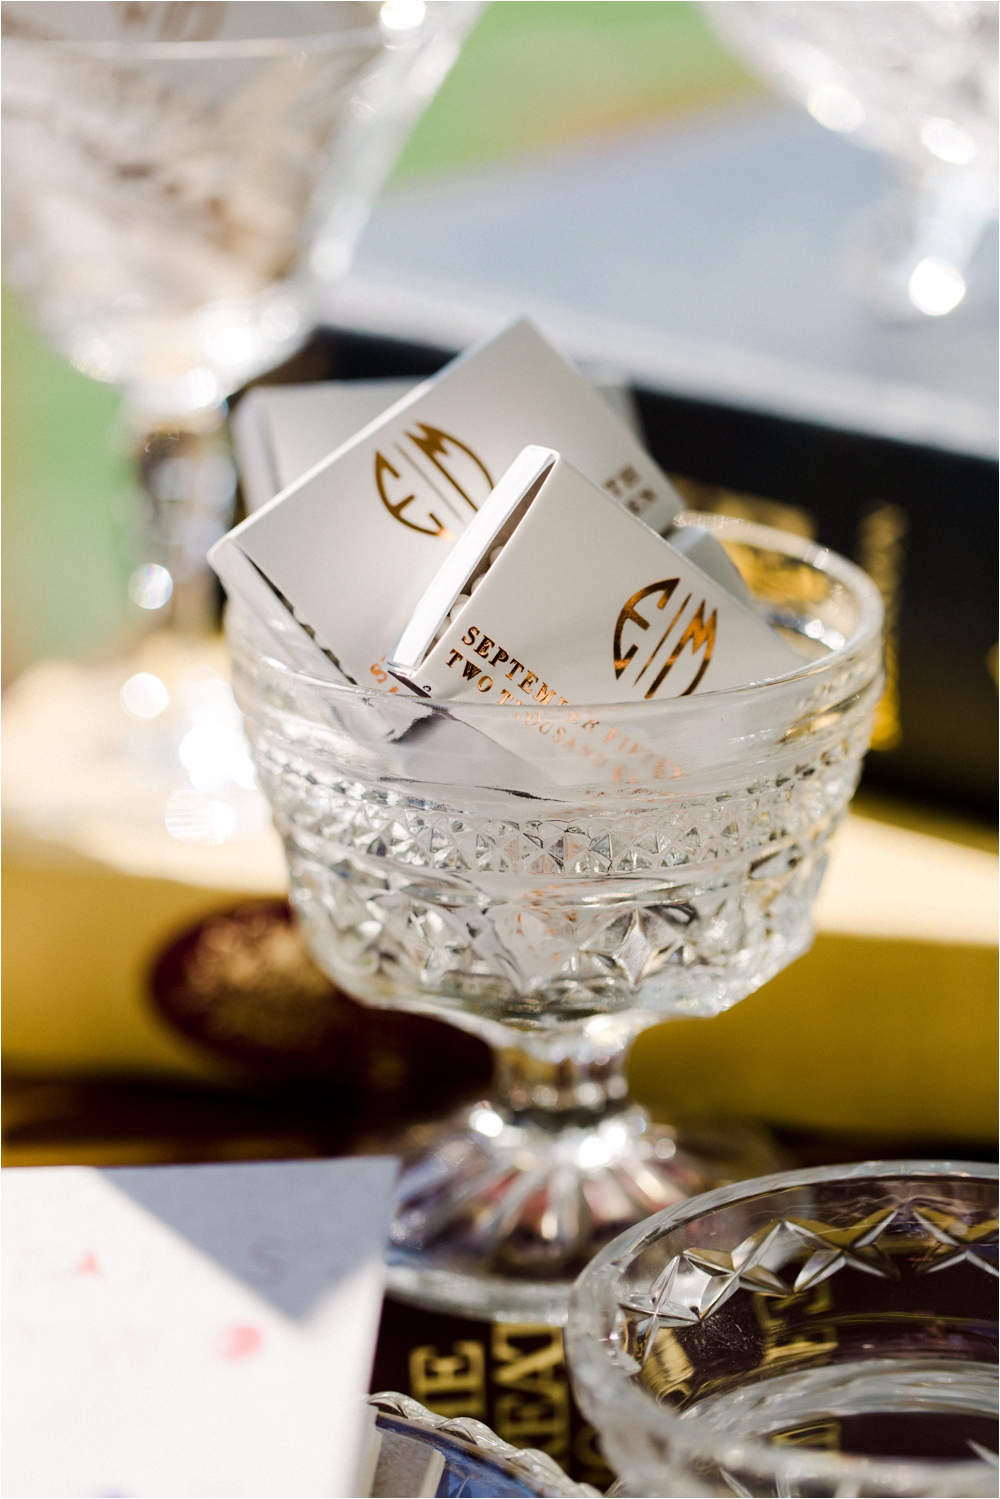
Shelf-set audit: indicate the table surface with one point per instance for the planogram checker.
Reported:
(514, 1377)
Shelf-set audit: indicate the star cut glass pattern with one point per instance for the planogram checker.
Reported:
(657, 1308)
(956, 1242)
(721, 1275)
(846, 1344)
(698, 1282)
(834, 1249)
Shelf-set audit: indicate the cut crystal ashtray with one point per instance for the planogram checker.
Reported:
(828, 1332)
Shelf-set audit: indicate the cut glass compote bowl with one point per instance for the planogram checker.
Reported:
(670, 872)
(827, 1332)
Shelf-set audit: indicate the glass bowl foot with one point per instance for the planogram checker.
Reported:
(497, 1212)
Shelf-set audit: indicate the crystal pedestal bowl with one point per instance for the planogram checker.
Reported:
(665, 866)
(828, 1332)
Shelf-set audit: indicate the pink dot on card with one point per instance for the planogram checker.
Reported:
(241, 1341)
(88, 1265)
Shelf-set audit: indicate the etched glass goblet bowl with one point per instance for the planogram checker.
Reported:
(661, 862)
(180, 183)
(827, 1332)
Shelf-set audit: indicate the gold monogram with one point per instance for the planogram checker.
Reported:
(431, 471)
(698, 633)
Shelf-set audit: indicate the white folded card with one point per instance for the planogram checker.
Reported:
(556, 595)
(179, 1331)
(353, 544)
(282, 431)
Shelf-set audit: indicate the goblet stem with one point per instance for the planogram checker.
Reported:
(499, 1208)
(584, 1082)
(908, 257)
(188, 482)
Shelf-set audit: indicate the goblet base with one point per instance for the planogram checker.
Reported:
(497, 1212)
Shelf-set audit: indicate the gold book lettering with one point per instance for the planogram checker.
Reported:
(532, 1407)
(451, 1384)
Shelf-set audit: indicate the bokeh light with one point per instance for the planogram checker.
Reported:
(403, 15)
(144, 696)
(936, 287)
(150, 586)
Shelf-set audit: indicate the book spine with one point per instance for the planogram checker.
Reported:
(921, 521)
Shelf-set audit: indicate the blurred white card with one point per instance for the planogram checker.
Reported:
(181, 1331)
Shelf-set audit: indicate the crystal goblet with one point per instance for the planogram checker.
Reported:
(825, 1332)
(179, 181)
(671, 872)
(915, 81)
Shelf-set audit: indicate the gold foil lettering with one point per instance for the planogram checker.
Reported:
(630, 614)
(396, 507)
(438, 445)
(465, 477)
(698, 634)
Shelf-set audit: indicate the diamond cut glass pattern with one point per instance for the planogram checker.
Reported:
(679, 905)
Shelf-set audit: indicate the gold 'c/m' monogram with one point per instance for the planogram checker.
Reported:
(427, 472)
(698, 633)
